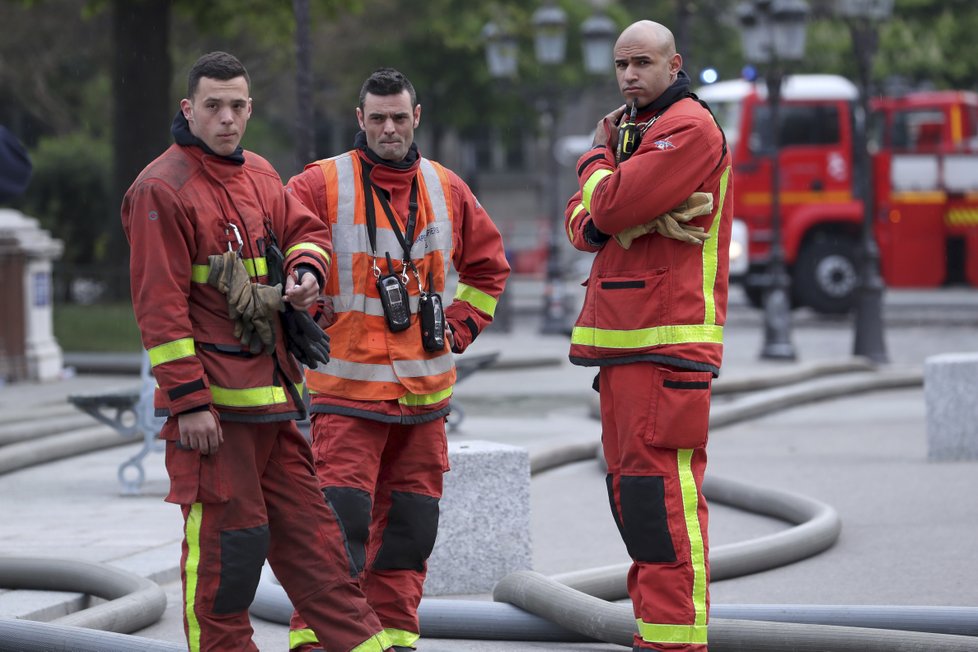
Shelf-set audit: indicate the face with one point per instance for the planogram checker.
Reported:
(218, 113)
(389, 123)
(644, 68)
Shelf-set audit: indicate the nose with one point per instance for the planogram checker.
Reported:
(389, 126)
(226, 115)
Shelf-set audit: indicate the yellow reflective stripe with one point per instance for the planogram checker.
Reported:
(697, 549)
(254, 266)
(199, 273)
(376, 643)
(688, 634)
(695, 634)
(588, 189)
(710, 256)
(182, 348)
(251, 397)
(308, 246)
(643, 337)
(919, 197)
(570, 223)
(299, 637)
(484, 302)
(415, 400)
(192, 536)
(401, 637)
(961, 217)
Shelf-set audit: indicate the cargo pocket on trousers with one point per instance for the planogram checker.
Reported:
(194, 478)
(681, 414)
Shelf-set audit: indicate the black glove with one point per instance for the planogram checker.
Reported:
(593, 236)
(304, 338)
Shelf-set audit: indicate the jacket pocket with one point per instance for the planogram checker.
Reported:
(680, 415)
(629, 300)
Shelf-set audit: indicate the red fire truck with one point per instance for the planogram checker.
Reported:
(924, 155)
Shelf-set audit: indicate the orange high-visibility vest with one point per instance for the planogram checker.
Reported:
(367, 361)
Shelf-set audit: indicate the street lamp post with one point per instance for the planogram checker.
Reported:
(550, 44)
(862, 17)
(773, 34)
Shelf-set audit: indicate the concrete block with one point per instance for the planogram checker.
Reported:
(484, 528)
(950, 390)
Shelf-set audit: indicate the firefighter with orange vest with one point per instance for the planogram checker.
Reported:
(398, 221)
(655, 204)
(196, 219)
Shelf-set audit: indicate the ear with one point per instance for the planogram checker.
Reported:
(676, 64)
(417, 116)
(360, 119)
(250, 106)
(187, 107)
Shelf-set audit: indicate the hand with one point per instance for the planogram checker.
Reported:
(200, 431)
(450, 337)
(606, 133)
(302, 295)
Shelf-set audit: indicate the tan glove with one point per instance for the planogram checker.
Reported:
(673, 224)
(251, 306)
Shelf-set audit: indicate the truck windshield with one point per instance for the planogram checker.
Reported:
(800, 124)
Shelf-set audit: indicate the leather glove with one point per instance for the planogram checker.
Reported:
(251, 306)
(304, 338)
(673, 223)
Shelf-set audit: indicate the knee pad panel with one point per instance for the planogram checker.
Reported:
(352, 508)
(644, 522)
(243, 553)
(409, 536)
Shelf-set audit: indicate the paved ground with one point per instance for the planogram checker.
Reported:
(910, 527)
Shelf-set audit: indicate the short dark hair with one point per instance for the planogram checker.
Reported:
(215, 65)
(387, 81)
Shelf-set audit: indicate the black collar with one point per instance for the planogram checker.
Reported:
(677, 91)
(182, 135)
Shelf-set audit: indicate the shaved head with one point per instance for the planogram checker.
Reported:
(646, 61)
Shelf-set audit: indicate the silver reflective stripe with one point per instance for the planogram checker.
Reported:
(359, 371)
(389, 374)
(438, 235)
(345, 219)
(419, 368)
(364, 304)
(353, 238)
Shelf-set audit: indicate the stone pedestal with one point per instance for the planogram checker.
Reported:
(28, 350)
(484, 528)
(951, 396)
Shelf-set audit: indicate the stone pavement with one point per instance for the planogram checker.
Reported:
(910, 527)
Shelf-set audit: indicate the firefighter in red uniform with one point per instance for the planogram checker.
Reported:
(652, 322)
(378, 408)
(239, 468)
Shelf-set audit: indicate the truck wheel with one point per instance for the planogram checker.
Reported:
(825, 276)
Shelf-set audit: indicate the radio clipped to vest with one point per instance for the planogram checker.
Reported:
(394, 299)
(628, 135)
(432, 320)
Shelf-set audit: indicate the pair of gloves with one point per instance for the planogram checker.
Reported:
(673, 224)
(254, 309)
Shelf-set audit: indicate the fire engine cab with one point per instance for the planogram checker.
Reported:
(924, 157)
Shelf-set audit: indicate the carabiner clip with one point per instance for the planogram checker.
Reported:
(237, 236)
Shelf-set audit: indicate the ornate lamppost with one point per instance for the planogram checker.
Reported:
(550, 44)
(773, 33)
(863, 18)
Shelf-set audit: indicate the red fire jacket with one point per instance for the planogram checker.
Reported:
(182, 208)
(661, 300)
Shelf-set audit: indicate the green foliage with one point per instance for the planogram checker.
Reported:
(97, 327)
(69, 194)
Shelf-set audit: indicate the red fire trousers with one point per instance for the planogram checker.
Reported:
(654, 423)
(383, 481)
(255, 498)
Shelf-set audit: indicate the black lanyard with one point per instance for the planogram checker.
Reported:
(405, 239)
